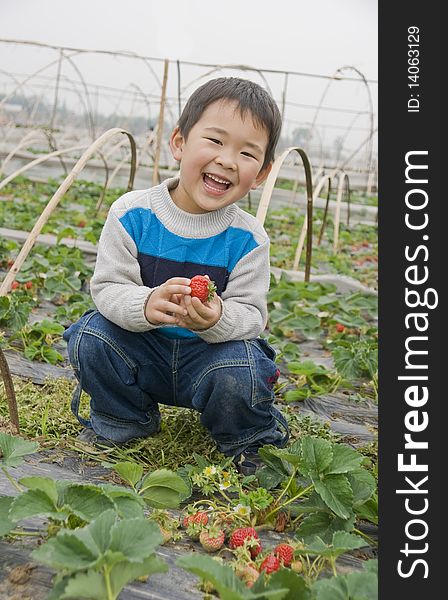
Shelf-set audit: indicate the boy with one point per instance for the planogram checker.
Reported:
(150, 341)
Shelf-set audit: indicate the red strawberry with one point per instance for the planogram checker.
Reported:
(202, 288)
(340, 328)
(198, 518)
(14, 285)
(212, 539)
(285, 553)
(239, 537)
(28, 285)
(270, 564)
(81, 223)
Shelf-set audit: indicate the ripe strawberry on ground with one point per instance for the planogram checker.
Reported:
(285, 553)
(340, 328)
(199, 517)
(246, 536)
(212, 538)
(29, 285)
(202, 288)
(194, 524)
(14, 285)
(270, 564)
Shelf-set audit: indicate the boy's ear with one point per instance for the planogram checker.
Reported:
(176, 143)
(262, 175)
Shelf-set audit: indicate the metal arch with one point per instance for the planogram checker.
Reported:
(369, 96)
(267, 194)
(234, 68)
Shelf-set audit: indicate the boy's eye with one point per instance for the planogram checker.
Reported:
(248, 154)
(214, 141)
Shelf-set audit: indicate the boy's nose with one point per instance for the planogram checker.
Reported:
(226, 161)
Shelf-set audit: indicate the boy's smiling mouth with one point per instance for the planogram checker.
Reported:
(214, 184)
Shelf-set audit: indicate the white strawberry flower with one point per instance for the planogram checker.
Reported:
(242, 510)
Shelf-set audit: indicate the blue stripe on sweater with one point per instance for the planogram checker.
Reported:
(154, 239)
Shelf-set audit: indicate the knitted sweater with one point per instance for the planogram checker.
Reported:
(147, 239)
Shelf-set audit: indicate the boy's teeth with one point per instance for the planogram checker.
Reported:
(217, 179)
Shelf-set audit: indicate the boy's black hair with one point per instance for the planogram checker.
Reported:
(248, 95)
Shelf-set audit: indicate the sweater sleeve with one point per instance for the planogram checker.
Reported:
(244, 304)
(116, 286)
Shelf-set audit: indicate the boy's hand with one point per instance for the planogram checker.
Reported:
(200, 315)
(164, 304)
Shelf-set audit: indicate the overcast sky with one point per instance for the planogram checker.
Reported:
(312, 36)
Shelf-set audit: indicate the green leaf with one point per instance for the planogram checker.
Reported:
(268, 478)
(287, 455)
(129, 471)
(229, 586)
(272, 458)
(13, 449)
(90, 585)
(164, 489)
(294, 583)
(65, 551)
(34, 502)
(6, 524)
(97, 535)
(135, 538)
(128, 507)
(345, 459)
(317, 455)
(45, 484)
(362, 586)
(369, 510)
(344, 541)
(296, 395)
(363, 485)
(337, 494)
(86, 501)
(124, 572)
(324, 525)
(355, 586)
(334, 588)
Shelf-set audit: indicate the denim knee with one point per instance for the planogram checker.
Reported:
(235, 396)
(120, 410)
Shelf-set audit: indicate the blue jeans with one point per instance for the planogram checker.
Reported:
(127, 375)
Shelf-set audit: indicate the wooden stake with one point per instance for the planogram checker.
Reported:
(155, 172)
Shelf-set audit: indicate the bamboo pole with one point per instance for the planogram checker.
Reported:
(304, 230)
(10, 392)
(337, 213)
(267, 194)
(54, 201)
(155, 173)
(35, 162)
(324, 220)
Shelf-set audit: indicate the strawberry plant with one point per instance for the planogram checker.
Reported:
(362, 585)
(160, 489)
(341, 542)
(98, 560)
(323, 483)
(283, 584)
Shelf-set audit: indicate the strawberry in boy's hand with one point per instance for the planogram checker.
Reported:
(202, 288)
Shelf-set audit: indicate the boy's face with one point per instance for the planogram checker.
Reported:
(221, 159)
